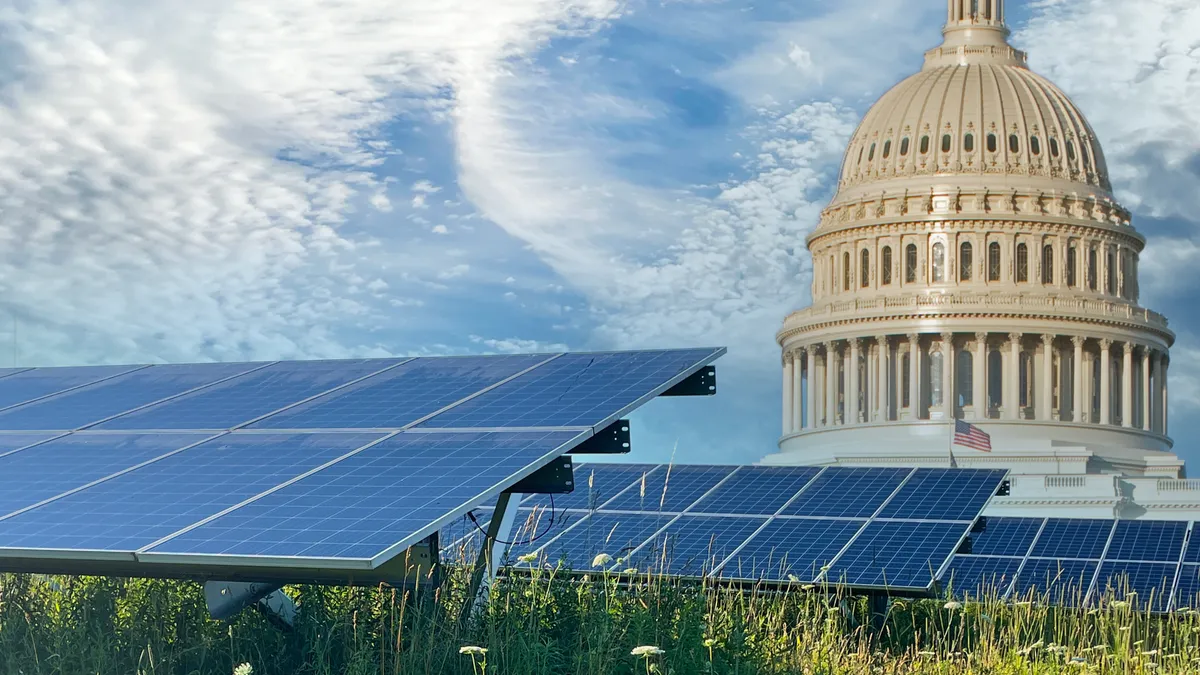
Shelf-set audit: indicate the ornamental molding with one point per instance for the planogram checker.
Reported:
(1098, 501)
(838, 233)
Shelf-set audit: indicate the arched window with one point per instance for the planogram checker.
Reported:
(939, 263)
(910, 264)
(1014, 143)
(871, 153)
(1035, 146)
(964, 261)
(1022, 263)
(887, 148)
(904, 147)
(864, 269)
(846, 271)
(991, 142)
(1091, 273)
(1072, 272)
(994, 261)
(968, 142)
(860, 154)
(924, 144)
(885, 267)
(1087, 158)
(964, 374)
(1048, 264)
(947, 142)
(1071, 150)
(1110, 280)
(1053, 147)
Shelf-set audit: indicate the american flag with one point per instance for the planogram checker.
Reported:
(971, 436)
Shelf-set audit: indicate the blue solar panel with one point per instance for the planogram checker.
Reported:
(1192, 554)
(12, 442)
(1187, 591)
(1145, 585)
(756, 490)
(669, 489)
(79, 407)
(5, 372)
(1063, 582)
(237, 401)
(616, 534)
(1002, 536)
(138, 508)
(364, 505)
(573, 390)
(944, 494)
(694, 545)
(1147, 540)
(789, 547)
(595, 484)
(402, 395)
(31, 384)
(897, 554)
(847, 492)
(980, 577)
(1073, 538)
(50, 469)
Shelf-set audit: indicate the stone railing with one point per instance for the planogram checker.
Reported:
(950, 55)
(1066, 481)
(1001, 302)
(1179, 485)
(1093, 486)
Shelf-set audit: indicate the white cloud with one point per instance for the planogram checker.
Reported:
(454, 272)
(440, 229)
(519, 346)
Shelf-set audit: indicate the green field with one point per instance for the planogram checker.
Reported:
(543, 621)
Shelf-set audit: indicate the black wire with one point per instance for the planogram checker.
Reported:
(549, 527)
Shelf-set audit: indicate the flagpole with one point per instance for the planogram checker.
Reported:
(950, 447)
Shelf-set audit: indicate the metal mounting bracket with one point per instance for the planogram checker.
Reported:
(613, 440)
(703, 382)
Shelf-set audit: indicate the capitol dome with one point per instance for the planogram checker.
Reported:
(975, 265)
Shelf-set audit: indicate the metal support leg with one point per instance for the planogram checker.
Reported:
(491, 554)
(877, 604)
(226, 598)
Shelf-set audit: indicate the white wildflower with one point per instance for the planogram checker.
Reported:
(952, 605)
(709, 642)
(527, 558)
(602, 559)
(646, 651)
(243, 669)
(1118, 604)
(472, 650)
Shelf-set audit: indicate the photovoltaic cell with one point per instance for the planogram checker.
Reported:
(80, 407)
(616, 534)
(943, 494)
(572, 390)
(1063, 582)
(693, 545)
(756, 490)
(847, 492)
(31, 384)
(595, 484)
(403, 394)
(980, 577)
(1192, 554)
(11, 442)
(1187, 591)
(669, 489)
(797, 547)
(897, 554)
(236, 401)
(50, 469)
(367, 503)
(1147, 540)
(138, 508)
(1073, 538)
(1002, 536)
(1144, 585)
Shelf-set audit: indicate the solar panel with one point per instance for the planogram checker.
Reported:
(575, 390)
(943, 494)
(375, 504)
(694, 545)
(1073, 538)
(1188, 588)
(13, 442)
(403, 394)
(245, 398)
(895, 554)
(847, 492)
(791, 547)
(672, 489)
(1002, 536)
(137, 508)
(1146, 585)
(615, 534)
(979, 576)
(79, 407)
(28, 385)
(595, 484)
(1059, 581)
(1147, 540)
(756, 490)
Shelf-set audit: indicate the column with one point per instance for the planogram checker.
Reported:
(1077, 395)
(1012, 378)
(788, 367)
(1127, 386)
(852, 383)
(1081, 248)
(831, 388)
(1165, 400)
(883, 391)
(1046, 391)
(948, 398)
(914, 375)
(1147, 395)
(811, 402)
(868, 404)
(979, 377)
(1106, 381)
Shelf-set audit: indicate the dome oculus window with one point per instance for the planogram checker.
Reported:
(1014, 143)
(904, 147)
(1053, 147)
(1035, 146)
(1071, 150)
(924, 145)
(968, 142)
(887, 148)
(991, 142)
(946, 142)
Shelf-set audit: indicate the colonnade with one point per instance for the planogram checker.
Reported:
(1017, 376)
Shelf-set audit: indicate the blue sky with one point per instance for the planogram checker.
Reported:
(297, 179)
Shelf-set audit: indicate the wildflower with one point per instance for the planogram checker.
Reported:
(807, 587)
(630, 570)
(473, 651)
(952, 605)
(602, 559)
(1118, 604)
(527, 558)
(709, 642)
(646, 651)
(793, 578)
(244, 669)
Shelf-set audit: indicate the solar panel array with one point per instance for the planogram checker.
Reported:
(299, 465)
(865, 528)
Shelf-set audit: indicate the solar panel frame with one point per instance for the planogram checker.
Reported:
(942, 538)
(884, 481)
(781, 531)
(1034, 573)
(113, 371)
(740, 528)
(1141, 578)
(765, 502)
(1187, 587)
(926, 495)
(976, 568)
(645, 525)
(1147, 541)
(1073, 535)
(660, 492)
(1008, 538)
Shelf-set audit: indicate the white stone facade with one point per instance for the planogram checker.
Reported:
(975, 265)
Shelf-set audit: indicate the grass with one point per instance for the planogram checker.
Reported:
(544, 621)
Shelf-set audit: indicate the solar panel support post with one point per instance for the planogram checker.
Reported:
(487, 565)
(877, 608)
(225, 599)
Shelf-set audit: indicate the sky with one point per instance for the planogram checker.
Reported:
(287, 179)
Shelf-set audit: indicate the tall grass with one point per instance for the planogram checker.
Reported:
(541, 620)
